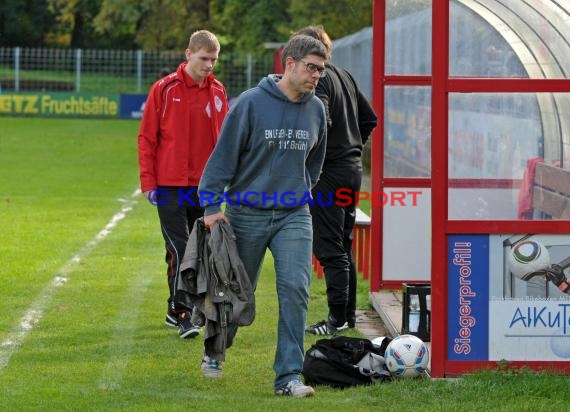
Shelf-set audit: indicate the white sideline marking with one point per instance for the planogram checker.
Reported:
(123, 338)
(35, 313)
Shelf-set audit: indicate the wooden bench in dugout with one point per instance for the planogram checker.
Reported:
(551, 192)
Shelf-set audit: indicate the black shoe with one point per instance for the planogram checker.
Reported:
(187, 330)
(172, 320)
(325, 328)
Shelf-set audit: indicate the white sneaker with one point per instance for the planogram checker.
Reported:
(211, 368)
(295, 388)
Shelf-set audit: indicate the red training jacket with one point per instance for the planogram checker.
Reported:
(179, 129)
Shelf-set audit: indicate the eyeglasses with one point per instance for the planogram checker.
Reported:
(312, 68)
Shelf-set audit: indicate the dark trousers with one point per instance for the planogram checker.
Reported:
(333, 225)
(177, 217)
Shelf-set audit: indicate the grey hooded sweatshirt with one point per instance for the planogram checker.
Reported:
(269, 152)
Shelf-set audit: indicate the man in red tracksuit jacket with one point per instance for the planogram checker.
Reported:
(182, 117)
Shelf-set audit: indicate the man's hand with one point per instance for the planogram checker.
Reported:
(555, 274)
(210, 221)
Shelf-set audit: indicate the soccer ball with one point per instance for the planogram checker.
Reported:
(528, 257)
(406, 356)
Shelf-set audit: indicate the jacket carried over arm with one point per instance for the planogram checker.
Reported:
(215, 281)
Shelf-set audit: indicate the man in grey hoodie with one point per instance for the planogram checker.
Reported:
(269, 155)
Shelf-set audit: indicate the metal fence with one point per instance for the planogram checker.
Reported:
(115, 71)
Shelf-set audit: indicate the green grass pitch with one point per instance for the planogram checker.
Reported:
(82, 299)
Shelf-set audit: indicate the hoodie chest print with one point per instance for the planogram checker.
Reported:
(287, 139)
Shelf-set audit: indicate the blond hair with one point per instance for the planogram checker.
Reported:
(203, 39)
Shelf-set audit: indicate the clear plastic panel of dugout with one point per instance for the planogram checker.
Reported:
(527, 39)
(407, 131)
(508, 156)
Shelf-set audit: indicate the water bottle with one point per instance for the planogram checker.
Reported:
(414, 314)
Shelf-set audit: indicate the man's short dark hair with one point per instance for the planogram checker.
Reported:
(300, 46)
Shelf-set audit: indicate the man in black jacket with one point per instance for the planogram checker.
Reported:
(350, 120)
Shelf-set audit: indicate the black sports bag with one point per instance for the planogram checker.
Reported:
(344, 361)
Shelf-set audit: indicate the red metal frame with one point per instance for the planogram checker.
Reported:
(463, 85)
(441, 86)
(439, 119)
(377, 158)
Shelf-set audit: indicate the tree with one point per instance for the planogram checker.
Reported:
(241, 25)
(24, 23)
(339, 18)
(153, 24)
(73, 26)
(120, 19)
(246, 24)
(168, 24)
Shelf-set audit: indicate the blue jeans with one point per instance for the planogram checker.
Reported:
(288, 234)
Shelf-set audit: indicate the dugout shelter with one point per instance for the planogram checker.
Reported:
(474, 97)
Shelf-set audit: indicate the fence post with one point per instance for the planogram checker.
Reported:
(77, 70)
(16, 69)
(249, 69)
(139, 70)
